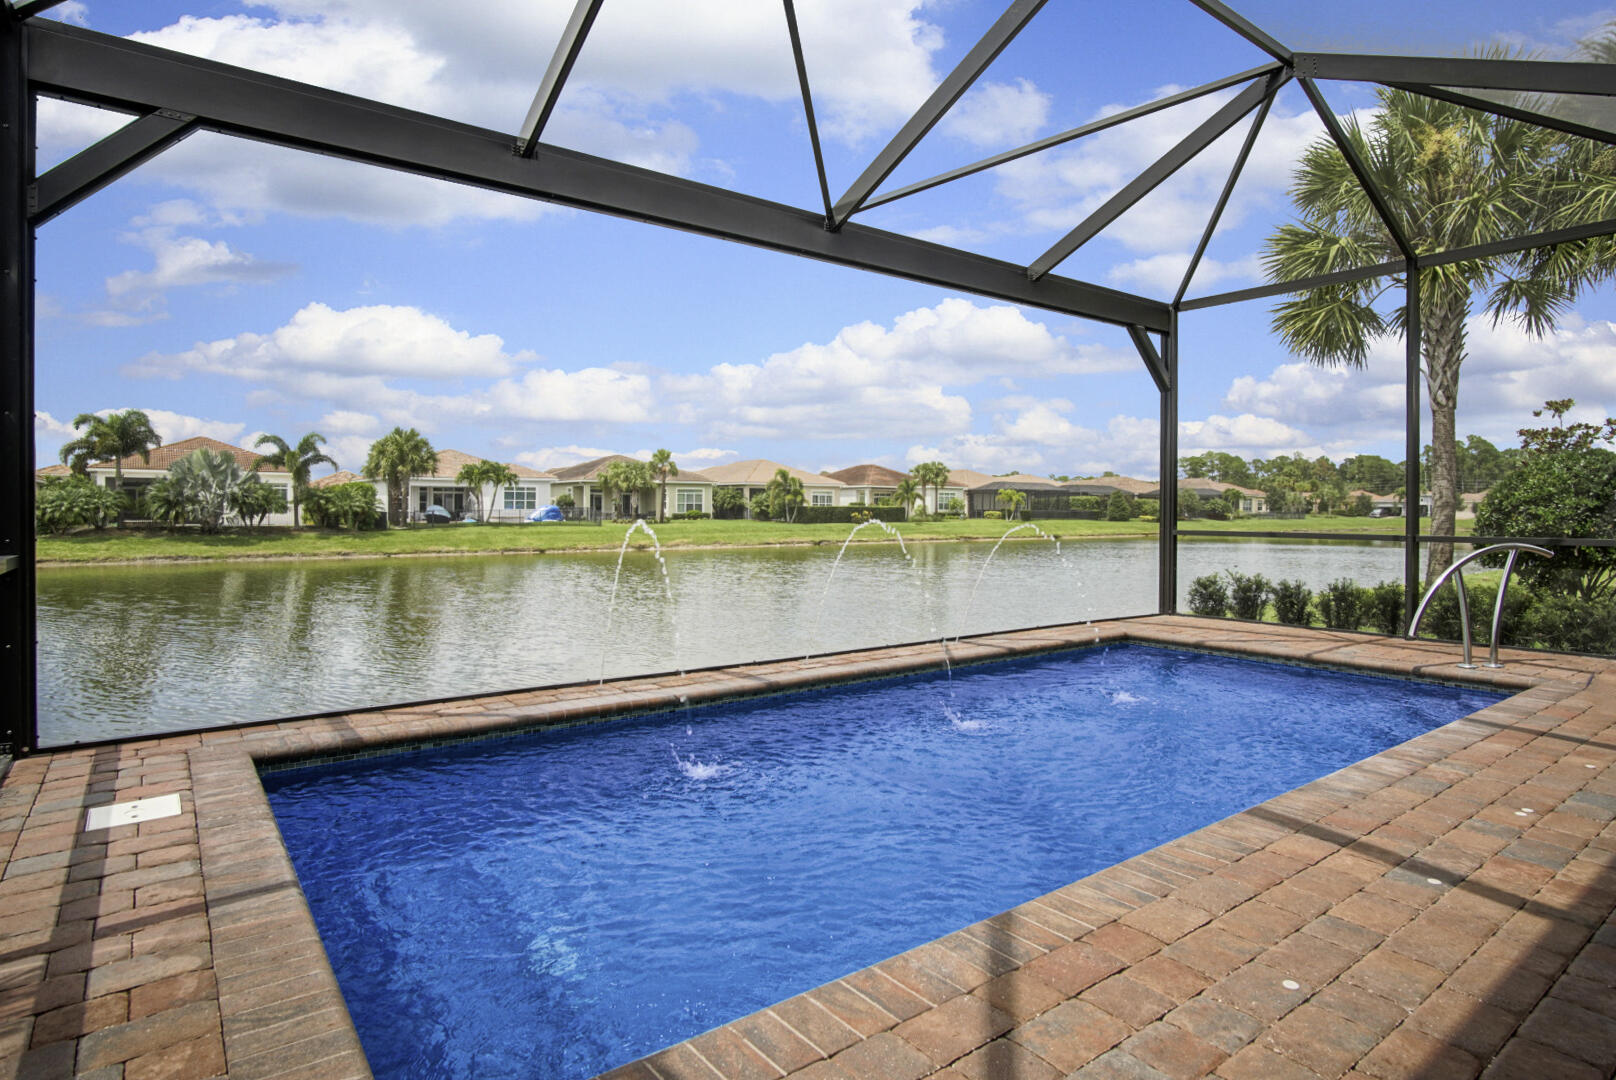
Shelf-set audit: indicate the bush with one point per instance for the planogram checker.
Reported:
(1121, 506)
(1567, 624)
(1342, 604)
(1092, 503)
(353, 505)
(848, 515)
(1441, 618)
(1565, 485)
(1209, 596)
(993, 515)
(1383, 608)
(60, 505)
(728, 502)
(693, 515)
(1291, 603)
(1248, 594)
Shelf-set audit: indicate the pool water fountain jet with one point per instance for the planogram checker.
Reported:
(819, 616)
(971, 600)
(611, 607)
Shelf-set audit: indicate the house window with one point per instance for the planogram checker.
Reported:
(521, 498)
(821, 498)
(686, 500)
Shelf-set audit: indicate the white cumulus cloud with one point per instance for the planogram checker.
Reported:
(880, 381)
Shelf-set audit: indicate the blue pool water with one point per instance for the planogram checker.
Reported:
(559, 903)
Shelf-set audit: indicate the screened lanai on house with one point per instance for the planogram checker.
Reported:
(1119, 169)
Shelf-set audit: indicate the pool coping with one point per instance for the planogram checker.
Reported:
(183, 947)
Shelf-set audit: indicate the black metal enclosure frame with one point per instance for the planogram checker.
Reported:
(170, 95)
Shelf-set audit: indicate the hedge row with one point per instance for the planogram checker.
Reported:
(1557, 621)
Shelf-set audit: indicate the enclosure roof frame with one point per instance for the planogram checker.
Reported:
(170, 95)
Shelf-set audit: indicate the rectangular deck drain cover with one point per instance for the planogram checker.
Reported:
(130, 813)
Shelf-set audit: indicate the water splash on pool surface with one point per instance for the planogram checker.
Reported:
(699, 770)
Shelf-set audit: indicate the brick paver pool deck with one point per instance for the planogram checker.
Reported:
(1442, 909)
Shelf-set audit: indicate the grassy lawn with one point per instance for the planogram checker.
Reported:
(125, 546)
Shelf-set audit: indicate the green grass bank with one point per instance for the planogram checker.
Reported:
(124, 546)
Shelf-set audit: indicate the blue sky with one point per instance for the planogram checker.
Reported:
(230, 288)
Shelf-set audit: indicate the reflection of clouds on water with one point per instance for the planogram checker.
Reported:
(549, 953)
(131, 650)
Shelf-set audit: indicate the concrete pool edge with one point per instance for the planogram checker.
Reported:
(248, 988)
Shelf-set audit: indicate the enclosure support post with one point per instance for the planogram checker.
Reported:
(17, 674)
(1167, 492)
(1411, 440)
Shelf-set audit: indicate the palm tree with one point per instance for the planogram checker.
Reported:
(662, 467)
(622, 477)
(496, 474)
(907, 491)
(473, 475)
(785, 494)
(933, 474)
(116, 435)
(1013, 501)
(298, 460)
(204, 483)
(395, 457)
(1454, 178)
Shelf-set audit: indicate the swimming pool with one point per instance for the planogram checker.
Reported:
(562, 902)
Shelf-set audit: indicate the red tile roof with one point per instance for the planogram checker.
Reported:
(870, 476)
(164, 456)
(759, 471)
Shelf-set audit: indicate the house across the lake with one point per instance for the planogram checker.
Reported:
(751, 478)
(140, 473)
(689, 491)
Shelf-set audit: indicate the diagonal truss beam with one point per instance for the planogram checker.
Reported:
(1245, 28)
(1360, 170)
(1511, 112)
(1099, 125)
(555, 76)
(983, 53)
(1146, 182)
(1280, 288)
(94, 167)
(1152, 358)
(1228, 190)
(1532, 76)
(99, 69)
(808, 106)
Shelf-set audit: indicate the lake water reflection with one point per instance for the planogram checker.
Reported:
(130, 650)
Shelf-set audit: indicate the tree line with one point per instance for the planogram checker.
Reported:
(1294, 480)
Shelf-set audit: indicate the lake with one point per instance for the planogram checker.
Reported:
(128, 650)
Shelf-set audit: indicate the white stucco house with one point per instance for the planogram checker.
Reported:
(511, 503)
(869, 484)
(689, 491)
(140, 473)
(752, 478)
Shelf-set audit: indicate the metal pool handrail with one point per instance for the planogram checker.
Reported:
(1456, 571)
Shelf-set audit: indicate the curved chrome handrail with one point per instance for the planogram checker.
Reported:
(1457, 571)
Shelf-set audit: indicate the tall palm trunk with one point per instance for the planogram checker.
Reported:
(1443, 318)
